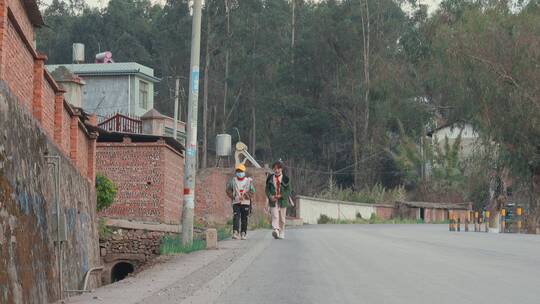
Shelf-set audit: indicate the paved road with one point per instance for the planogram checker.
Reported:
(392, 264)
(345, 264)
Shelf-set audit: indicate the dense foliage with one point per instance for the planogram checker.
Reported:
(338, 89)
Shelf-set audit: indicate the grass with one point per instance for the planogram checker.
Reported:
(103, 230)
(173, 245)
(259, 222)
(375, 194)
(224, 233)
(323, 219)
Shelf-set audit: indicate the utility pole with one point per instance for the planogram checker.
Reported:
(176, 93)
(190, 167)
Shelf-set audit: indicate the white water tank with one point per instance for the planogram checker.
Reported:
(78, 53)
(223, 145)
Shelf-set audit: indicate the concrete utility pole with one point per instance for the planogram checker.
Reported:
(176, 93)
(190, 168)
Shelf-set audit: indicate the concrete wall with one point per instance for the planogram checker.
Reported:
(105, 95)
(311, 209)
(28, 259)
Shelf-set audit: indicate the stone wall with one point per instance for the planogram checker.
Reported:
(132, 242)
(28, 226)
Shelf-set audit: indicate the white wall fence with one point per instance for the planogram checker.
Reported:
(310, 209)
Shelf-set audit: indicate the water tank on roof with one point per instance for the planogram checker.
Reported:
(78, 53)
(105, 57)
(223, 145)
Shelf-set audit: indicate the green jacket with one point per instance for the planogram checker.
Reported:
(285, 191)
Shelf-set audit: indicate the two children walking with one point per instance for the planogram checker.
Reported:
(240, 189)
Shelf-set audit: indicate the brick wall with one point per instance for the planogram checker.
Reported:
(22, 68)
(385, 212)
(18, 69)
(147, 176)
(212, 204)
(174, 185)
(82, 150)
(66, 123)
(435, 215)
(48, 107)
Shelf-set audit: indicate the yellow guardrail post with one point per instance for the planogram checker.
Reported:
(519, 213)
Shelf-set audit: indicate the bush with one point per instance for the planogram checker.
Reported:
(324, 219)
(375, 194)
(106, 192)
(103, 230)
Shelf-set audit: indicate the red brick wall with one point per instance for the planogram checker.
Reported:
(385, 212)
(174, 185)
(435, 215)
(48, 109)
(66, 123)
(146, 187)
(82, 151)
(18, 67)
(22, 68)
(212, 204)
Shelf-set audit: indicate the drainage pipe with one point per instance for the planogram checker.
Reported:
(86, 277)
(55, 161)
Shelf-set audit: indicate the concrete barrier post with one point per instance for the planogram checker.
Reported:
(503, 220)
(211, 238)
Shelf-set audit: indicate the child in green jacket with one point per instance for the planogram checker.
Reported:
(278, 190)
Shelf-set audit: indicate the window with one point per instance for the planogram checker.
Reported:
(143, 95)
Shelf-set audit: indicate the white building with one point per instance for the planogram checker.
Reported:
(110, 88)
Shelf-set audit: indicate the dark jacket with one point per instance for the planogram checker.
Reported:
(285, 191)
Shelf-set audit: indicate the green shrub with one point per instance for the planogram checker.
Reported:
(105, 191)
(103, 230)
(324, 219)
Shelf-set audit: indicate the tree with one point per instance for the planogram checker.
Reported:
(105, 191)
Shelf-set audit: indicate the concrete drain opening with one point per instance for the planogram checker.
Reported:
(120, 271)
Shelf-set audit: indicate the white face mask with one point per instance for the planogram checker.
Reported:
(241, 174)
